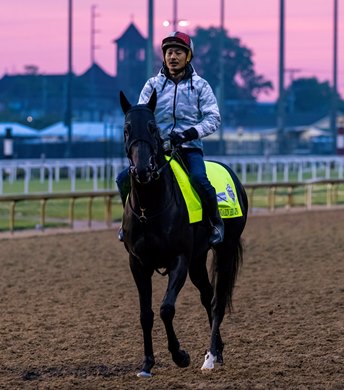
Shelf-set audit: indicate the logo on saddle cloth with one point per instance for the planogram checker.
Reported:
(221, 180)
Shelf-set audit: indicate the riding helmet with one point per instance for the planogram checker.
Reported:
(180, 39)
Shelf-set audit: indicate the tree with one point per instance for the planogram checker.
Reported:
(241, 80)
(31, 69)
(310, 94)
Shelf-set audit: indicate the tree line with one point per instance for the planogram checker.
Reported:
(241, 80)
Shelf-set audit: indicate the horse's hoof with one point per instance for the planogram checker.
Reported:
(219, 359)
(144, 374)
(148, 364)
(209, 362)
(219, 355)
(181, 358)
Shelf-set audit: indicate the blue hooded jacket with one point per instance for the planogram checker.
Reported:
(190, 103)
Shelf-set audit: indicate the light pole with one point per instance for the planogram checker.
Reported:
(69, 108)
(175, 21)
(221, 74)
(94, 31)
(334, 99)
(281, 92)
(150, 52)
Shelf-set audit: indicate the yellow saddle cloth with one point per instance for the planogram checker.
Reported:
(221, 180)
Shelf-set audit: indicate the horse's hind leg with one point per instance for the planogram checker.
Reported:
(143, 280)
(228, 258)
(176, 280)
(200, 278)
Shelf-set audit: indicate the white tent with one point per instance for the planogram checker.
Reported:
(82, 131)
(313, 132)
(325, 123)
(18, 130)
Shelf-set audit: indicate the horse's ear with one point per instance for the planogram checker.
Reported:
(126, 106)
(152, 100)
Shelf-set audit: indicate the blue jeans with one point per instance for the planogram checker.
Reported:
(193, 159)
(123, 184)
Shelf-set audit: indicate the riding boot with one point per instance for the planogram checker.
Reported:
(217, 225)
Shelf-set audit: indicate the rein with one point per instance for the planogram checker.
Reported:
(149, 135)
(143, 218)
(168, 162)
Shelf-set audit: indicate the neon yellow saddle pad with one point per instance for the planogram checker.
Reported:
(221, 180)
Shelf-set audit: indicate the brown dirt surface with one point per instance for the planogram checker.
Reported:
(70, 320)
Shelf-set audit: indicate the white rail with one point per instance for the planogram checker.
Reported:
(258, 169)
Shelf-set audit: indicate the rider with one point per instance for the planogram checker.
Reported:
(186, 111)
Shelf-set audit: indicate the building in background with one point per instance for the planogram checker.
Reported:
(131, 62)
(39, 100)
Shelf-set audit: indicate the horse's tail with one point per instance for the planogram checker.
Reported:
(224, 270)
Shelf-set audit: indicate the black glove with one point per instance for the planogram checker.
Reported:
(179, 138)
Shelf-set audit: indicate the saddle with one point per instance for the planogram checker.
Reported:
(220, 179)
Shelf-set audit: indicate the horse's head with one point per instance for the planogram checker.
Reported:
(142, 140)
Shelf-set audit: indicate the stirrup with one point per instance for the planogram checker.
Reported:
(120, 234)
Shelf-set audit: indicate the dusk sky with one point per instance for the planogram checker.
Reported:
(34, 32)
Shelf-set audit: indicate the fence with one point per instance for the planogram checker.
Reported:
(334, 195)
(250, 169)
(108, 196)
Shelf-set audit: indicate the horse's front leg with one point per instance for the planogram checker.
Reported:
(177, 277)
(143, 280)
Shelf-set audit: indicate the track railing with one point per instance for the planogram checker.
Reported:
(267, 196)
(43, 198)
(326, 192)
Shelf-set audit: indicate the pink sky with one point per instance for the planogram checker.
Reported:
(35, 32)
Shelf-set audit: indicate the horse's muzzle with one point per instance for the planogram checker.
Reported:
(144, 176)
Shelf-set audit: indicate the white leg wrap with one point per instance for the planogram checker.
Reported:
(209, 361)
(144, 374)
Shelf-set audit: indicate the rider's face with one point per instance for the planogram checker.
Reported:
(175, 59)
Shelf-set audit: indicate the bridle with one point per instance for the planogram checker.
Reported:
(149, 135)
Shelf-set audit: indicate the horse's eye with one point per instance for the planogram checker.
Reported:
(152, 127)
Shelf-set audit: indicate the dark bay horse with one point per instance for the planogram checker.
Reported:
(158, 235)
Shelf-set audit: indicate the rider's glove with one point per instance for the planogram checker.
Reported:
(187, 135)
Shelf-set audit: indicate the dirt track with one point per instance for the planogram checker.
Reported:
(69, 313)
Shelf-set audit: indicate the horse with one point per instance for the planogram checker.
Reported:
(158, 236)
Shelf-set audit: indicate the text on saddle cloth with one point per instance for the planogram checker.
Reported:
(223, 183)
